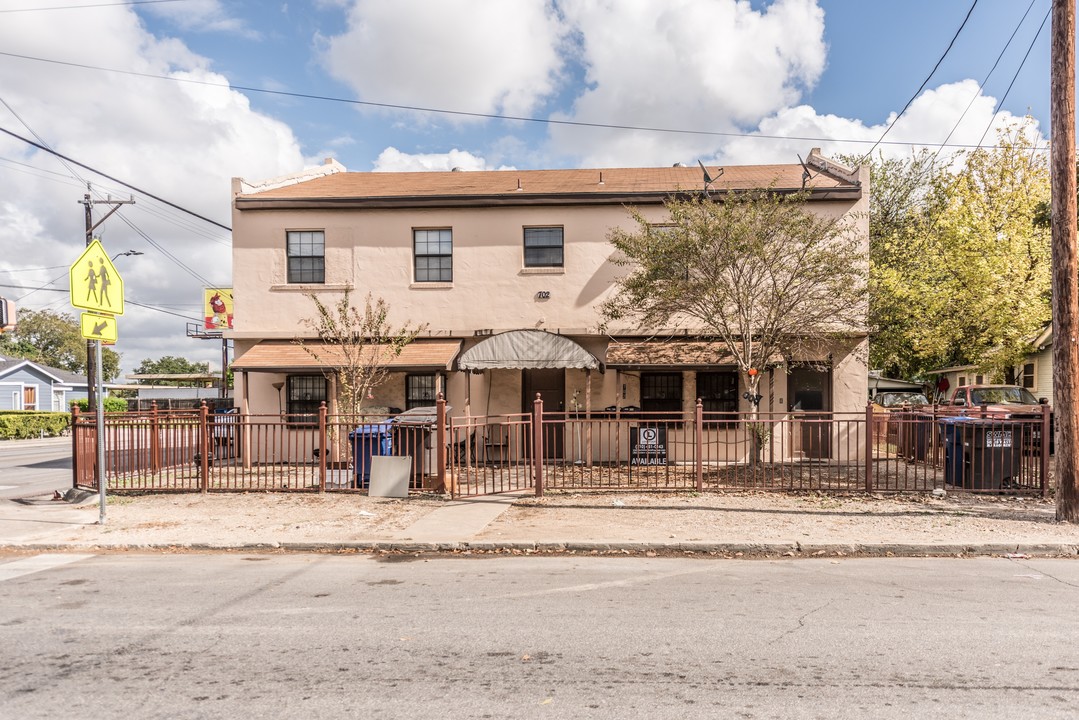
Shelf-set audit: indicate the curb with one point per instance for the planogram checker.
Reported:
(704, 550)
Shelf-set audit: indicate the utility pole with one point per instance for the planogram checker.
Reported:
(1065, 265)
(91, 365)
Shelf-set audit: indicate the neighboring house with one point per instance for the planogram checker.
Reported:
(508, 269)
(879, 384)
(26, 385)
(1035, 373)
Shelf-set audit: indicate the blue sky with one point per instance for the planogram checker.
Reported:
(837, 70)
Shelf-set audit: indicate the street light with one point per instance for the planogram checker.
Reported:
(126, 252)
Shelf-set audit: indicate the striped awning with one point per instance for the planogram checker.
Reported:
(287, 356)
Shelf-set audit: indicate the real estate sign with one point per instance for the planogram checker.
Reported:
(648, 445)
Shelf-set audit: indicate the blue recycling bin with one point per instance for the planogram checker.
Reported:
(367, 441)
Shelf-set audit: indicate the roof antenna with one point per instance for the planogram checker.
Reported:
(805, 171)
(708, 179)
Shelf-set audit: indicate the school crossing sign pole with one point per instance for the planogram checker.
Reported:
(97, 287)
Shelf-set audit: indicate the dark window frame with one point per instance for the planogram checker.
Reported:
(304, 265)
(718, 391)
(301, 410)
(423, 265)
(1028, 380)
(420, 399)
(542, 246)
(655, 384)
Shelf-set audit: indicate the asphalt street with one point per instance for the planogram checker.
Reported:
(319, 636)
(36, 468)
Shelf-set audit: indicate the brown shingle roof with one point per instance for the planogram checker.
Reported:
(670, 353)
(522, 184)
(284, 356)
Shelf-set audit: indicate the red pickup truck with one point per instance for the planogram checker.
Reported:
(1005, 402)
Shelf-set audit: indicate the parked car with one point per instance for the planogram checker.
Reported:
(1004, 402)
(893, 399)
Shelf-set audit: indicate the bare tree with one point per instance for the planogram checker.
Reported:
(756, 270)
(355, 346)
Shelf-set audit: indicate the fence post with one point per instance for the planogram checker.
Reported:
(155, 443)
(537, 442)
(440, 447)
(869, 430)
(204, 447)
(1047, 439)
(75, 445)
(323, 450)
(699, 443)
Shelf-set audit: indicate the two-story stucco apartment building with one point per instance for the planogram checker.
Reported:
(507, 269)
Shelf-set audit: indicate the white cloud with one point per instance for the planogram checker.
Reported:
(932, 117)
(180, 141)
(484, 56)
(393, 160)
(712, 65)
(201, 15)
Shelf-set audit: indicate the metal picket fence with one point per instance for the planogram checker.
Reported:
(913, 451)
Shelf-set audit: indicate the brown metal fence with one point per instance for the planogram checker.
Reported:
(203, 451)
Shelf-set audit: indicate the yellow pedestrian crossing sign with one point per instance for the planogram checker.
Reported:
(98, 327)
(95, 284)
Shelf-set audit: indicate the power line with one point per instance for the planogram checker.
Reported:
(96, 5)
(127, 301)
(922, 86)
(139, 190)
(486, 116)
(1014, 77)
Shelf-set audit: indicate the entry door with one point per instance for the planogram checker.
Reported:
(810, 393)
(551, 386)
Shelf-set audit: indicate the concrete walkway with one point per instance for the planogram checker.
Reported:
(458, 520)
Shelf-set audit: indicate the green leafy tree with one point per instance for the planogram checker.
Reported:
(758, 271)
(355, 345)
(960, 263)
(55, 339)
(170, 365)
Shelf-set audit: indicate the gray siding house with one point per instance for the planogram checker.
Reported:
(26, 385)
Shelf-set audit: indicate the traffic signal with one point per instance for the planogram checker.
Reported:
(7, 315)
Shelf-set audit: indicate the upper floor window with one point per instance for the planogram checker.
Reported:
(306, 250)
(543, 247)
(419, 391)
(718, 392)
(661, 392)
(304, 396)
(433, 255)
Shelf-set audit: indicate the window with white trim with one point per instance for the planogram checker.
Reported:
(432, 253)
(544, 247)
(306, 252)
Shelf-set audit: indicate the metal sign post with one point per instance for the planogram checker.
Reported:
(100, 423)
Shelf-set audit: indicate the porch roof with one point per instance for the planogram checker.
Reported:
(527, 349)
(287, 356)
(672, 353)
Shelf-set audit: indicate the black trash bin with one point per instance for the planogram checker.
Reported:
(980, 453)
(912, 434)
(368, 440)
(412, 435)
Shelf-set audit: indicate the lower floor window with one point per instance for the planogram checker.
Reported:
(305, 394)
(718, 392)
(419, 391)
(661, 392)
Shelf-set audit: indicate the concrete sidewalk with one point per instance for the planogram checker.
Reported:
(720, 525)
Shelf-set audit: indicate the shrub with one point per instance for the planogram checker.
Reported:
(112, 404)
(21, 424)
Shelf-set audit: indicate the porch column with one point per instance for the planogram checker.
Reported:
(245, 426)
(588, 414)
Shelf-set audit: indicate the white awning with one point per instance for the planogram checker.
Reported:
(528, 350)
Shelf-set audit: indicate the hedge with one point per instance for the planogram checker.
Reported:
(112, 404)
(21, 424)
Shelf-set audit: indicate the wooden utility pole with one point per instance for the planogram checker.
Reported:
(88, 205)
(1065, 265)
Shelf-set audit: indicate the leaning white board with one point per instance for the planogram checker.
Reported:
(389, 475)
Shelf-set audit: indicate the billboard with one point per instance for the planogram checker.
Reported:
(217, 308)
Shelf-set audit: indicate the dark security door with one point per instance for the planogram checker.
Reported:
(810, 393)
(551, 386)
